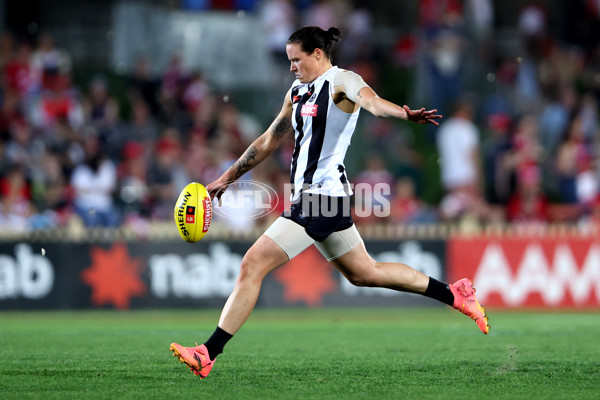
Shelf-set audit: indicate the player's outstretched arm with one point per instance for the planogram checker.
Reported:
(368, 99)
(260, 149)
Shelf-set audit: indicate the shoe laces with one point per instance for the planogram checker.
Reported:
(465, 290)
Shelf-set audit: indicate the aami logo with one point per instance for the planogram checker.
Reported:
(531, 273)
(190, 213)
(309, 110)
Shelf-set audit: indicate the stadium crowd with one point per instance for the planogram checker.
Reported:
(527, 150)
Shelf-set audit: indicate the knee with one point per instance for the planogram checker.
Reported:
(364, 279)
(250, 268)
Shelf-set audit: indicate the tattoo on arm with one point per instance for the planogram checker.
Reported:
(246, 162)
(282, 126)
(358, 98)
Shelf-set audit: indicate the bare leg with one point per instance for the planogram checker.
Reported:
(362, 270)
(264, 256)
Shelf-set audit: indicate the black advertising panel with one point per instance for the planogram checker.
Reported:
(125, 275)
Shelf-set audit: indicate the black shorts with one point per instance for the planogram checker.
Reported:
(321, 215)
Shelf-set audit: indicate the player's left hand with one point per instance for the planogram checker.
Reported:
(216, 189)
(421, 116)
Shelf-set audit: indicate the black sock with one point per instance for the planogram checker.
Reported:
(216, 342)
(439, 291)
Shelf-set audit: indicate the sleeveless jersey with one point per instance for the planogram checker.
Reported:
(322, 136)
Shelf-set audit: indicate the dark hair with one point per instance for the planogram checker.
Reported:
(313, 37)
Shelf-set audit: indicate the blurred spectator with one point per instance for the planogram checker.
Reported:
(10, 114)
(134, 193)
(205, 119)
(458, 147)
(561, 67)
(529, 203)
(102, 112)
(57, 104)
(480, 17)
(21, 148)
(554, 117)
(444, 51)
(533, 21)
(357, 29)
(406, 206)
(53, 194)
(17, 71)
(173, 78)
(578, 182)
(375, 173)
(405, 50)
(142, 129)
(527, 85)
(197, 159)
(497, 168)
(94, 183)
(234, 132)
(278, 18)
(195, 93)
(396, 144)
(16, 208)
(432, 12)
(49, 63)
(501, 99)
(143, 85)
(479, 20)
(325, 13)
(166, 176)
(527, 152)
(588, 112)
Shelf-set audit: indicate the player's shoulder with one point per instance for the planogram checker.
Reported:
(344, 71)
(341, 75)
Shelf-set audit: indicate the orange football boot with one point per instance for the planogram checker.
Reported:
(466, 302)
(195, 357)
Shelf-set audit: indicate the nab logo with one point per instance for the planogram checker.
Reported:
(190, 213)
(309, 110)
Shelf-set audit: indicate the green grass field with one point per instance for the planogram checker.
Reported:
(300, 353)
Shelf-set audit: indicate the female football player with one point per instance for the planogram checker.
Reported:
(320, 109)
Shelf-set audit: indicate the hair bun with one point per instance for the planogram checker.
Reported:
(334, 34)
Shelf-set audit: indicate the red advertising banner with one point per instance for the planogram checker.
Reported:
(529, 272)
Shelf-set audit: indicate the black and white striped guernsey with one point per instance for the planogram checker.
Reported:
(322, 136)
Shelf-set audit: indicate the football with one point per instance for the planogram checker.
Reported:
(193, 212)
